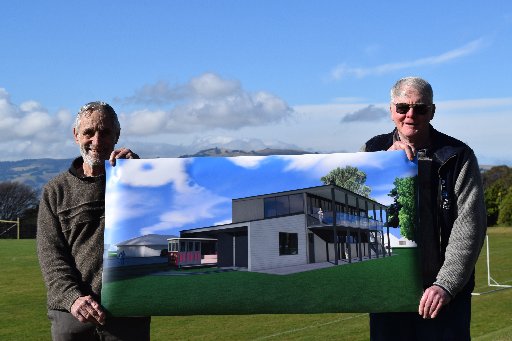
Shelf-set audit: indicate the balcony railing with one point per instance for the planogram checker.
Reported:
(348, 220)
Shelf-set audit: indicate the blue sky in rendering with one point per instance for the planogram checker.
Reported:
(166, 195)
(309, 75)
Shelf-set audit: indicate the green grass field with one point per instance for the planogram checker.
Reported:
(356, 287)
(23, 311)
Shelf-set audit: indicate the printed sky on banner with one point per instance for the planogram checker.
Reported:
(167, 195)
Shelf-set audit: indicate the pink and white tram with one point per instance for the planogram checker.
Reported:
(192, 251)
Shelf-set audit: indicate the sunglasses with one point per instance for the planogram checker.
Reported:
(419, 108)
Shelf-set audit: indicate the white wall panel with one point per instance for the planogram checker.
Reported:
(264, 242)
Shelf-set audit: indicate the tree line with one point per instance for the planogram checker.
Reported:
(18, 200)
(497, 183)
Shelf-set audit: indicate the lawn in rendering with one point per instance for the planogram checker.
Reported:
(254, 235)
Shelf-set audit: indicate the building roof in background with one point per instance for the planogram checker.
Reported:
(147, 240)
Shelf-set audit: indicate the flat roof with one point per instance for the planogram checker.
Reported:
(323, 191)
(193, 239)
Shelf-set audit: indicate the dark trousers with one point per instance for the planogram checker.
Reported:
(452, 323)
(67, 328)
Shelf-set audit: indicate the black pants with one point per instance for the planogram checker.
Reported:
(67, 328)
(452, 323)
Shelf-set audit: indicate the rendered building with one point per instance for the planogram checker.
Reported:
(298, 227)
(150, 245)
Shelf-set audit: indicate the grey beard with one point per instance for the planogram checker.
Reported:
(88, 159)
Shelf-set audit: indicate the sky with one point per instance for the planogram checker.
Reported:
(190, 75)
(167, 195)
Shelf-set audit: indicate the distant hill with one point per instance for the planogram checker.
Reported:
(33, 172)
(222, 152)
(37, 172)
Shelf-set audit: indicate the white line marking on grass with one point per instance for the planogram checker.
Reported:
(310, 326)
(488, 292)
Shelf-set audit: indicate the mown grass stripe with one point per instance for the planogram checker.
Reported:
(315, 325)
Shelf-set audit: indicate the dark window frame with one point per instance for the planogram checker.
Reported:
(280, 205)
(288, 243)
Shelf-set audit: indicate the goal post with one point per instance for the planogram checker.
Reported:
(490, 281)
(14, 223)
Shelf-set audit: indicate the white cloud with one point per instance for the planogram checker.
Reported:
(207, 85)
(321, 164)
(35, 122)
(190, 204)
(317, 165)
(223, 222)
(195, 204)
(206, 102)
(343, 70)
(250, 162)
(153, 173)
(210, 85)
(371, 113)
(28, 130)
(123, 206)
(384, 198)
(145, 122)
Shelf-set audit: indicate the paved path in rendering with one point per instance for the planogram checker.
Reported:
(130, 261)
(287, 270)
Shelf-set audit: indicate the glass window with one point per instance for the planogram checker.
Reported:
(269, 207)
(288, 243)
(174, 246)
(183, 246)
(296, 203)
(282, 205)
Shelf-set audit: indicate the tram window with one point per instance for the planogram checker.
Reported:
(190, 246)
(183, 247)
(196, 246)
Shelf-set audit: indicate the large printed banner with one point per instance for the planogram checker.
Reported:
(310, 233)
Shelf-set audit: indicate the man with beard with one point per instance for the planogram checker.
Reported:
(70, 227)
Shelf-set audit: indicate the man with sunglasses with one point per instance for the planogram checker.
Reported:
(452, 219)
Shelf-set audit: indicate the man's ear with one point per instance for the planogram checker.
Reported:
(117, 136)
(75, 135)
(433, 110)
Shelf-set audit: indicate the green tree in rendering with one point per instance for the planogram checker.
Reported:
(393, 210)
(350, 178)
(403, 211)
